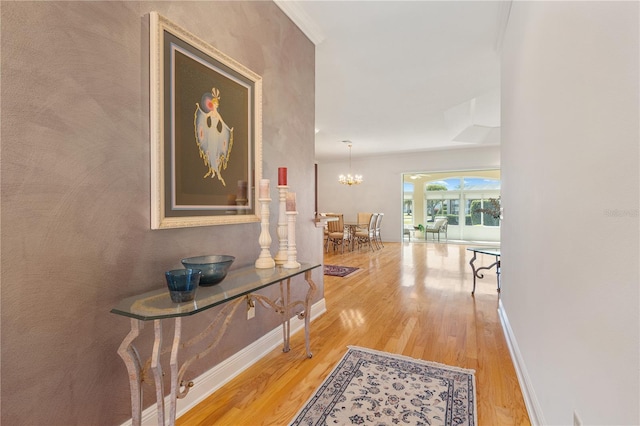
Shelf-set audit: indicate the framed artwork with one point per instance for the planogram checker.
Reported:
(206, 132)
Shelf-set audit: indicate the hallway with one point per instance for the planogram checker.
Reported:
(411, 299)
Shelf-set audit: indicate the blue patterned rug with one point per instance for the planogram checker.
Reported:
(368, 387)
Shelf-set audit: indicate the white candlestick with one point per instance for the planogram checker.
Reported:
(291, 262)
(281, 256)
(264, 260)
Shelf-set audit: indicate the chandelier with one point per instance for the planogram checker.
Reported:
(350, 179)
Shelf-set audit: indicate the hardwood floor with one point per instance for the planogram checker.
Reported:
(410, 299)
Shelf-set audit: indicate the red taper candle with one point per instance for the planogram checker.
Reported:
(282, 176)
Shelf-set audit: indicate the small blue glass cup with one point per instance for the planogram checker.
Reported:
(183, 284)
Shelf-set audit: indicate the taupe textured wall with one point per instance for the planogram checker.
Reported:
(75, 191)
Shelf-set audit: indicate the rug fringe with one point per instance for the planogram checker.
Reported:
(420, 361)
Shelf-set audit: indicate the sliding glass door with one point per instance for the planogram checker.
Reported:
(468, 200)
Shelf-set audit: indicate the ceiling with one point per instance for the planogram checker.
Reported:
(403, 76)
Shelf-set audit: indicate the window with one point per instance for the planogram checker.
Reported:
(475, 184)
(444, 196)
(407, 206)
(475, 217)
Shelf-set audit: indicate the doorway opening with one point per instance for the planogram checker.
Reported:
(468, 201)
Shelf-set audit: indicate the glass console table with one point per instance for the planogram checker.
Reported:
(491, 251)
(236, 290)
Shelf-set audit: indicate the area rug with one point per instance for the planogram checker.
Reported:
(339, 271)
(368, 387)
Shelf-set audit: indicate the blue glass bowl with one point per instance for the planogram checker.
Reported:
(214, 267)
(183, 284)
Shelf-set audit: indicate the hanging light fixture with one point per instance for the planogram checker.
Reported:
(350, 179)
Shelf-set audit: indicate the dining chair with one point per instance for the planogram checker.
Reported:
(368, 233)
(337, 233)
(363, 220)
(325, 230)
(378, 237)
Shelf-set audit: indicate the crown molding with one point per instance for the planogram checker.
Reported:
(503, 19)
(299, 17)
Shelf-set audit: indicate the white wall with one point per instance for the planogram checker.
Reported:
(570, 192)
(381, 190)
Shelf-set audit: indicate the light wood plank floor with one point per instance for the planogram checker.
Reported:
(410, 299)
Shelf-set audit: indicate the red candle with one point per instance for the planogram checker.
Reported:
(282, 176)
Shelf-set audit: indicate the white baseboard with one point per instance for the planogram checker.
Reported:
(530, 400)
(219, 375)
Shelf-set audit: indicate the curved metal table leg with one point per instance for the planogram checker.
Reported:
(477, 274)
(156, 368)
(131, 358)
(473, 270)
(307, 311)
(285, 307)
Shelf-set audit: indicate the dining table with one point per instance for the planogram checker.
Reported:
(352, 228)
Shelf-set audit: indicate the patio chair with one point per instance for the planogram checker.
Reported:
(440, 225)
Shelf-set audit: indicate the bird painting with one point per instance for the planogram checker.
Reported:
(213, 136)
